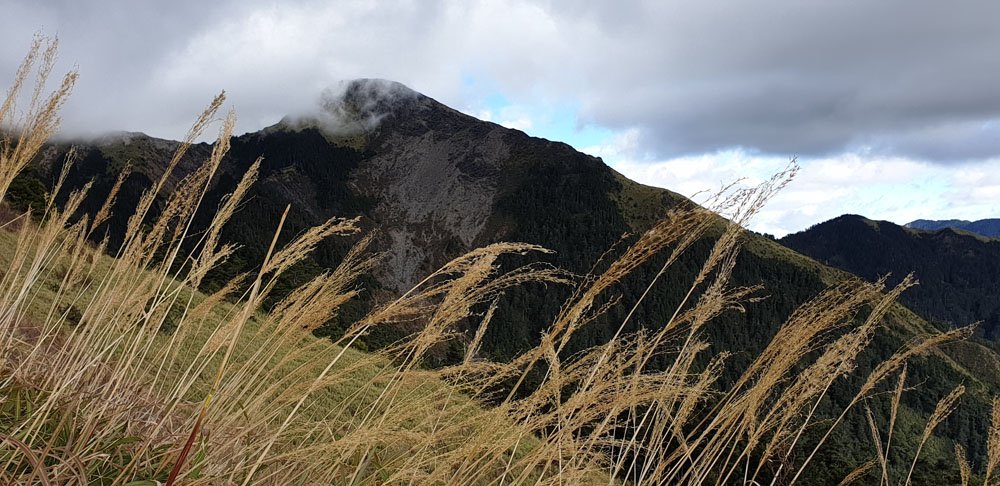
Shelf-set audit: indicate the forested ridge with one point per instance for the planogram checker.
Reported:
(545, 193)
(957, 271)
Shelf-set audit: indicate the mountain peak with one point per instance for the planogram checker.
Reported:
(368, 91)
(360, 106)
(371, 98)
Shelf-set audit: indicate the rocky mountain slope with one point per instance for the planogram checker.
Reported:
(433, 183)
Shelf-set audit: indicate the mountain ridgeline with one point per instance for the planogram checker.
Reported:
(432, 183)
(957, 270)
(984, 227)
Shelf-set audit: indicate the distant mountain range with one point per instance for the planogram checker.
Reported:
(984, 227)
(433, 183)
(959, 273)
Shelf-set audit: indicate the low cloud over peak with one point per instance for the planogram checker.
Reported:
(356, 106)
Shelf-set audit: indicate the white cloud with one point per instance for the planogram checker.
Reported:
(522, 123)
(622, 145)
(890, 188)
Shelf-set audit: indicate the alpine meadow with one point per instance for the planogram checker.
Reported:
(202, 313)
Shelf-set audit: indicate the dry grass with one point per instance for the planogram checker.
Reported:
(93, 390)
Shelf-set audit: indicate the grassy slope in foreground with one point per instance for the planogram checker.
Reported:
(349, 402)
(274, 362)
(371, 420)
(106, 398)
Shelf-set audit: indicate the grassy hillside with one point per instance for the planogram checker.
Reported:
(272, 364)
(116, 370)
(663, 363)
(789, 278)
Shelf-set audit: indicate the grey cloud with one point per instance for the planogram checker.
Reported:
(915, 78)
(806, 78)
(116, 45)
(949, 142)
(153, 66)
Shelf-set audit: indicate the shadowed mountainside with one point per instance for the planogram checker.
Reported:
(985, 227)
(435, 183)
(957, 270)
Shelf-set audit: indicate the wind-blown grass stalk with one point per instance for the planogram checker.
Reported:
(943, 409)
(21, 139)
(993, 442)
(964, 469)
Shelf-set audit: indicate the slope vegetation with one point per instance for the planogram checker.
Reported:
(657, 360)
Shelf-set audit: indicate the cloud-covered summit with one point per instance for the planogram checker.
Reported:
(358, 106)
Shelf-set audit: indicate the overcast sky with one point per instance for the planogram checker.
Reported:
(892, 106)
